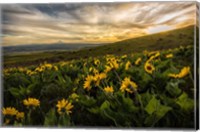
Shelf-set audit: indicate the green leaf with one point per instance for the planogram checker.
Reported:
(127, 101)
(50, 118)
(87, 101)
(162, 111)
(24, 79)
(61, 79)
(152, 106)
(173, 89)
(108, 115)
(149, 120)
(104, 105)
(95, 110)
(156, 111)
(185, 102)
(23, 91)
(128, 105)
(64, 120)
(145, 97)
(31, 88)
(15, 92)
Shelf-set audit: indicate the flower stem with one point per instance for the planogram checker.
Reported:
(117, 76)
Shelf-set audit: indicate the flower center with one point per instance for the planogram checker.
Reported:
(63, 110)
(129, 86)
(149, 68)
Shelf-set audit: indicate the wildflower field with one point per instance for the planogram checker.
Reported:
(147, 89)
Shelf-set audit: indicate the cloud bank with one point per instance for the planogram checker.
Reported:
(91, 22)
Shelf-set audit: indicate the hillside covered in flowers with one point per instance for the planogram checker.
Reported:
(147, 89)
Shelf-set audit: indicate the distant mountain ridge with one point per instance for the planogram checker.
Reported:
(45, 47)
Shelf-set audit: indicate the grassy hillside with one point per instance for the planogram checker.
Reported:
(159, 41)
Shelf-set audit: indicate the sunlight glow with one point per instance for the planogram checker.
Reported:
(159, 28)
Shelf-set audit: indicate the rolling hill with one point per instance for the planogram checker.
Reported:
(159, 41)
(34, 48)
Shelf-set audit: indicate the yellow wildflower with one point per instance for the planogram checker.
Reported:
(154, 56)
(109, 89)
(71, 65)
(124, 56)
(157, 54)
(6, 71)
(184, 72)
(87, 83)
(7, 121)
(157, 60)
(19, 115)
(149, 68)
(62, 63)
(95, 71)
(21, 69)
(9, 111)
(48, 66)
(110, 58)
(108, 68)
(152, 53)
(61, 104)
(145, 52)
(55, 68)
(96, 62)
(169, 56)
(138, 61)
(74, 96)
(114, 64)
(64, 106)
(39, 69)
(102, 76)
(127, 66)
(128, 85)
(173, 75)
(90, 69)
(98, 77)
(31, 102)
(30, 73)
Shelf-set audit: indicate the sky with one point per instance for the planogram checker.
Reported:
(91, 23)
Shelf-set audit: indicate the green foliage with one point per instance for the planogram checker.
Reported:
(185, 102)
(156, 111)
(50, 118)
(105, 105)
(158, 101)
(87, 101)
(64, 120)
(173, 89)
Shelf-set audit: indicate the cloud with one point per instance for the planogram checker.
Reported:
(90, 22)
